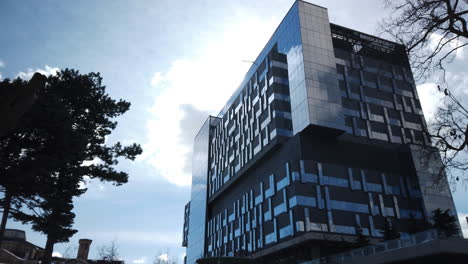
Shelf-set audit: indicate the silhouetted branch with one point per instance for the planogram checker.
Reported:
(433, 32)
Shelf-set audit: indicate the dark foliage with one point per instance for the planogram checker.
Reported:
(62, 140)
(361, 239)
(26, 154)
(16, 100)
(445, 223)
(390, 231)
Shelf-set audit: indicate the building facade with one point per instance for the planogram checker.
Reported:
(323, 136)
(15, 245)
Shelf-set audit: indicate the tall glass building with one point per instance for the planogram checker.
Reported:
(324, 136)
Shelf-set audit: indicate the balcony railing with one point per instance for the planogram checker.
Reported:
(386, 246)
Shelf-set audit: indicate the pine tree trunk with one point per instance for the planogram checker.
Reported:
(49, 248)
(6, 212)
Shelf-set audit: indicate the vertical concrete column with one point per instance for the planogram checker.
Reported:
(434, 186)
(322, 104)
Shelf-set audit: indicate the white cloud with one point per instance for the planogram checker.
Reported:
(434, 40)
(463, 223)
(94, 161)
(157, 78)
(140, 260)
(458, 83)
(86, 182)
(164, 257)
(96, 189)
(82, 185)
(2, 64)
(193, 88)
(57, 254)
(30, 72)
(430, 98)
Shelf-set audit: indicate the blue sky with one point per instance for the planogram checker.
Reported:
(176, 62)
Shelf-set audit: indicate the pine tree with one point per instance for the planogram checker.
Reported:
(445, 223)
(83, 114)
(15, 102)
(361, 239)
(25, 154)
(390, 232)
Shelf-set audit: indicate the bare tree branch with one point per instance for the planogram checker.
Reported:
(109, 252)
(433, 32)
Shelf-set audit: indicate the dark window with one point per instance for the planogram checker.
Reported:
(393, 114)
(341, 54)
(386, 81)
(340, 69)
(354, 74)
(412, 118)
(349, 121)
(361, 123)
(378, 127)
(342, 85)
(376, 109)
(354, 87)
(403, 85)
(396, 131)
(370, 77)
(350, 103)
